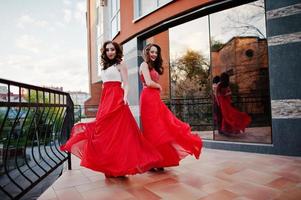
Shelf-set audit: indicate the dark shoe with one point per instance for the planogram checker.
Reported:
(152, 170)
(121, 177)
(160, 169)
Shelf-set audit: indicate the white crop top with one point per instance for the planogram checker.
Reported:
(111, 74)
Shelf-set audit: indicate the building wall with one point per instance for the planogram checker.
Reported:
(162, 39)
(246, 71)
(131, 27)
(92, 103)
(98, 29)
(131, 54)
(284, 45)
(92, 41)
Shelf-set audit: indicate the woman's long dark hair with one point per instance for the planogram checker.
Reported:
(157, 64)
(105, 61)
(224, 80)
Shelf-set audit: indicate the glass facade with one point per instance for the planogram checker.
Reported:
(231, 43)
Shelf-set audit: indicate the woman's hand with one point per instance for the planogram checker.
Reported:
(124, 76)
(125, 100)
(159, 87)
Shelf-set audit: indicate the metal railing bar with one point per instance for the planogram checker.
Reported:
(7, 193)
(56, 132)
(24, 85)
(16, 160)
(38, 139)
(4, 120)
(6, 152)
(45, 136)
(32, 142)
(53, 131)
(24, 152)
(28, 104)
(39, 180)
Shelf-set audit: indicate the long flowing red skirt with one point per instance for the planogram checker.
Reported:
(112, 143)
(234, 122)
(171, 137)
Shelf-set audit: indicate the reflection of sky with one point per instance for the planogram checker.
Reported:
(191, 35)
(226, 24)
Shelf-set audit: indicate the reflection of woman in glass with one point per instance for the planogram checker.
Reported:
(171, 137)
(217, 115)
(234, 122)
(112, 143)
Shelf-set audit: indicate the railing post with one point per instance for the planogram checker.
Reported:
(69, 161)
(70, 118)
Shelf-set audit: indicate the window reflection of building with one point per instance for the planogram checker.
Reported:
(245, 60)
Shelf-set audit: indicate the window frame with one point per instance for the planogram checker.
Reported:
(137, 9)
(115, 15)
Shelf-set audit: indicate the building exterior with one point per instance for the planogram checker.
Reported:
(79, 98)
(4, 97)
(256, 42)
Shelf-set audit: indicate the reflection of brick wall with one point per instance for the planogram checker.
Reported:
(246, 60)
(162, 39)
(92, 103)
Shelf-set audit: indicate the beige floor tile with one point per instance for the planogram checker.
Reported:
(108, 193)
(69, 193)
(70, 181)
(217, 174)
(177, 191)
(282, 183)
(253, 191)
(220, 195)
(142, 193)
(48, 194)
(250, 175)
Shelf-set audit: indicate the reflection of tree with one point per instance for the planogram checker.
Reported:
(216, 45)
(189, 75)
(245, 23)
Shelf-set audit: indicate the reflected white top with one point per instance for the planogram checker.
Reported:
(111, 74)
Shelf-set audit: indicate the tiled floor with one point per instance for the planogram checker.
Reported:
(219, 175)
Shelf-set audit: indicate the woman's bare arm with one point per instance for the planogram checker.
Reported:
(148, 81)
(124, 75)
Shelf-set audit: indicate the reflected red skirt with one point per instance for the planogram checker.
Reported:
(112, 143)
(171, 137)
(234, 122)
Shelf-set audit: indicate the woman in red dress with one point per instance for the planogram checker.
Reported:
(171, 137)
(112, 143)
(234, 122)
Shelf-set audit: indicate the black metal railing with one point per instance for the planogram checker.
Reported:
(34, 122)
(198, 112)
